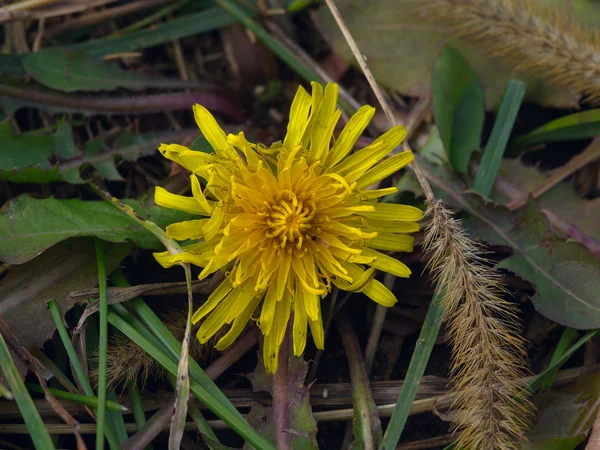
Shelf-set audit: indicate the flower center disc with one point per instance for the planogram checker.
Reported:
(289, 221)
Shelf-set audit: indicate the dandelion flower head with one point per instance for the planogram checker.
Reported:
(287, 222)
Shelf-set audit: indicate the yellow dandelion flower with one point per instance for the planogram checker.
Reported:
(285, 222)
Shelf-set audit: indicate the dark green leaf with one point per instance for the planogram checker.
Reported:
(207, 20)
(581, 125)
(458, 107)
(24, 159)
(29, 226)
(565, 274)
(73, 70)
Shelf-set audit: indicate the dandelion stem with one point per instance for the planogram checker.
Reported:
(281, 411)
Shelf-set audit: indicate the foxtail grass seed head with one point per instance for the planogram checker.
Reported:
(286, 222)
(539, 40)
(491, 409)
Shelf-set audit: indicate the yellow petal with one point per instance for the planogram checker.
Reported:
(283, 309)
(218, 317)
(311, 305)
(364, 159)
(240, 142)
(212, 131)
(213, 225)
(349, 135)
(389, 227)
(377, 193)
(167, 260)
(387, 264)
(190, 229)
(298, 118)
(392, 242)
(213, 300)
(393, 212)
(199, 195)
(270, 352)
(284, 271)
(268, 310)
(379, 293)
(385, 169)
(316, 328)
(192, 160)
(323, 123)
(162, 197)
(238, 324)
(300, 323)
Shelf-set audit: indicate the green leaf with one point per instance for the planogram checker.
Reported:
(24, 159)
(565, 274)
(581, 125)
(29, 226)
(36, 158)
(458, 107)
(181, 27)
(72, 70)
(401, 47)
(494, 150)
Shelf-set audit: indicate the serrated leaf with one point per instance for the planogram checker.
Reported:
(562, 200)
(458, 107)
(73, 70)
(36, 158)
(565, 415)
(401, 47)
(303, 424)
(565, 274)
(29, 226)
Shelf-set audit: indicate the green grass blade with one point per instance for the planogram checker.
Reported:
(580, 125)
(416, 368)
(77, 398)
(558, 363)
(37, 430)
(494, 150)
(137, 407)
(64, 337)
(235, 421)
(563, 346)
(102, 347)
(79, 372)
(115, 419)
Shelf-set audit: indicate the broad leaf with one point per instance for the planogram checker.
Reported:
(401, 46)
(73, 70)
(29, 226)
(26, 289)
(458, 107)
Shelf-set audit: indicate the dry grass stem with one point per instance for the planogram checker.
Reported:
(540, 41)
(488, 352)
